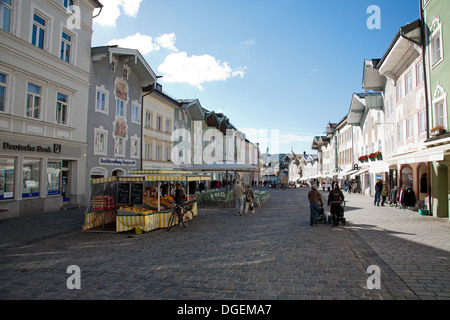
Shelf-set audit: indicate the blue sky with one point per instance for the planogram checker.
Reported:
(276, 68)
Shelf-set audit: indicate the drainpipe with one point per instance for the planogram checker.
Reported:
(427, 111)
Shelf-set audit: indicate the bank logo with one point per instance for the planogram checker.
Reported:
(56, 148)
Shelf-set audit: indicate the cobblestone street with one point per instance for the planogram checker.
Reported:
(273, 254)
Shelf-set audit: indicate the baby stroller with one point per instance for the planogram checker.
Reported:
(322, 216)
(337, 213)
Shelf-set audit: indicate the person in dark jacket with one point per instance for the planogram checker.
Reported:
(378, 189)
(179, 195)
(335, 198)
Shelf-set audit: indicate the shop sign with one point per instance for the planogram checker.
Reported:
(117, 162)
(30, 148)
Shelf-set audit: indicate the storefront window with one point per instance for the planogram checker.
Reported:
(31, 174)
(7, 179)
(407, 177)
(53, 178)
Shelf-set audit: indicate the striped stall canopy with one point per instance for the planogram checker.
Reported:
(159, 172)
(153, 177)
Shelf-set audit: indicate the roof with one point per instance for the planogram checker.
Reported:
(97, 3)
(402, 49)
(140, 65)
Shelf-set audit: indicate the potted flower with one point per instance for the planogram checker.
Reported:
(438, 130)
(378, 155)
(363, 159)
(372, 157)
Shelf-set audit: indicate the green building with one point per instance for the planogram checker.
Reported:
(436, 30)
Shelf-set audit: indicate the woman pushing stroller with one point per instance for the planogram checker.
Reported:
(335, 200)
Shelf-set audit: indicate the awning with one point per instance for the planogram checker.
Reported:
(425, 155)
(359, 172)
(348, 173)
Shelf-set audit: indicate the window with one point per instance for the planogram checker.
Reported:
(54, 178)
(68, 4)
(31, 176)
(168, 126)
(158, 153)
(100, 102)
(39, 31)
(148, 151)
(135, 147)
(439, 114)
(3, 87)
(168, 154)
(7, 174)
(34, 101)
(100, 141)
(419, 73)
(120, 110)
(126, 72)
(148, 119)
(136, 114)
(159, 123)
(119, 148)
(422, 122)
(66, 46)
(409, 128)
(436, 47)
(406, 177)
(112, 65)
(408, 83)
(400, 132)
(399, 91)
(62, 106)
(5, 15)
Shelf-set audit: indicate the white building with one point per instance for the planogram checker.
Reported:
(44, 86)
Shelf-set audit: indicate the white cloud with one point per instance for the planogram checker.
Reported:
(138, 41)
(250, 42)
(167, 41)
(196, 70)
(112, 10)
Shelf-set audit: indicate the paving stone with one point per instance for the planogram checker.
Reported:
(271, 255)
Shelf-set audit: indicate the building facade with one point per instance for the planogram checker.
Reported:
(436, 28)
(114, 131)
(44, 88)
(159, 111)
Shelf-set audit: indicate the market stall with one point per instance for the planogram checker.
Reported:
(120, 204)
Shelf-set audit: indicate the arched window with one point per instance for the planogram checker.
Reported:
(406, 176)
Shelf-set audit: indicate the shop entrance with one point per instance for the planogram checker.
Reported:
(65, 182)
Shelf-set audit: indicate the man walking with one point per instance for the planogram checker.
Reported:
(315, 201)
(378, 189)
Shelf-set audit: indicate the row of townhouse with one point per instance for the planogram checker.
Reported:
(397, 128)
(70, 113)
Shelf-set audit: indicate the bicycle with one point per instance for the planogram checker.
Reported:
(181, 215)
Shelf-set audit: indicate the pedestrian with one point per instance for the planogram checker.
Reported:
(384, 193)
(378, 189)
(335, 198)
(349, 186)
(249, 200)
(315, 202)
(238, 193)
(179, 195)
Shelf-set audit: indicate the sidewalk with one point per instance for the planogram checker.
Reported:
(413, 247)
